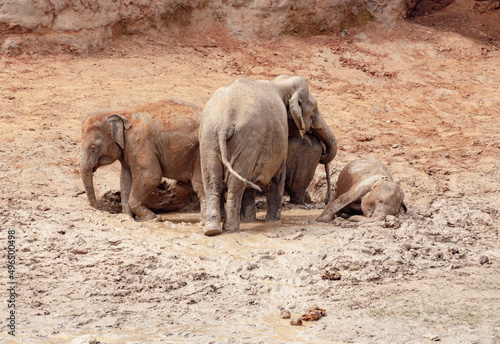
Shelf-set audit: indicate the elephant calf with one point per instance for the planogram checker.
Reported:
(150, 141)
(365, 185)
(304, 154)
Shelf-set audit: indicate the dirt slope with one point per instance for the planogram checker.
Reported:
(425, 101)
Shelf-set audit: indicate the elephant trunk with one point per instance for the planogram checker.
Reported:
(88, 184)
(323, 132)
(88, 181)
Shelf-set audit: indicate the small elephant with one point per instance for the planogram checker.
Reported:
(304, 154)
(244, 142)
(365, 185)
(150, 141)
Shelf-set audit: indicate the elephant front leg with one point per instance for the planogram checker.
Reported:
(143, 184)
(248, 210)
(126, 187)
(275, 195)
(198, 188)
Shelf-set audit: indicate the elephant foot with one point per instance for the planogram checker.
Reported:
(212, 229)
(324, 218)
(158, 218)
(231, 227)
(152, 217)
(245, 218)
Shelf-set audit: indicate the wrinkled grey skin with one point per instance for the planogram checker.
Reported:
(304, 154)
(365, 185)
(244, 142)
(150, 141)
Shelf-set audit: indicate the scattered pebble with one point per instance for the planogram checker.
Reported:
(332, 276)
(285, 314)
(484, 260)
(313, 314)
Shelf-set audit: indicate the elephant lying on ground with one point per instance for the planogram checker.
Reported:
(244, 141)
(365, 185)
(150, 141)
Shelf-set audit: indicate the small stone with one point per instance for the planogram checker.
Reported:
(285, 314)
(332, 276)
(389, 218)
(484, 260)
(314, 313)
(434, 338)
(296, 322)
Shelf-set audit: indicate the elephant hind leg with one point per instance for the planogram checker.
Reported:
(235, 190)
(212, 172)
(275, 195)
(248, 210)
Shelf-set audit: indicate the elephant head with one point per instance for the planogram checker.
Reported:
(303, 112)
(384, 198)
(103, 141)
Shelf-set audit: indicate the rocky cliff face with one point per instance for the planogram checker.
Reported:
(82, 26)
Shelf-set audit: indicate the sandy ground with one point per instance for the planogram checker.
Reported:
(423, 100)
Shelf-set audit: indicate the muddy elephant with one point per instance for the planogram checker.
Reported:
(365, 185)
(244, 142)
(304, 154)
(151, 141)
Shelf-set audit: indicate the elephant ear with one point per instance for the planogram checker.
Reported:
(296, 112)
(119, 125)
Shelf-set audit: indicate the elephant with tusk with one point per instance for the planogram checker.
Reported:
(244, 143)
(150, 141)
(365, 185)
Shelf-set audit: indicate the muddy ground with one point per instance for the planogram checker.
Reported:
(424, 100)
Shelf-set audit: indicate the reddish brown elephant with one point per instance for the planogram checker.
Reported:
(150, 141)
(365, 185)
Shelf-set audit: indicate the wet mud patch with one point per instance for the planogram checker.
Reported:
(169, 196)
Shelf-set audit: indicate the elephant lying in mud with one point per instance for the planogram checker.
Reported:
(365, 185)
(150, 141)
(244, 142)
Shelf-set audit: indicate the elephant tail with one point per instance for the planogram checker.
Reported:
(223, 151)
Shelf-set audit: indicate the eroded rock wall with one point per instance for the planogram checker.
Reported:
(82, 26)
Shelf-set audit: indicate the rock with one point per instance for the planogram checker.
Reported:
(84, 27)
(332, 276)
(314, 313)
(285, 314)
(12, 47)
(484, 260)
(296, 322)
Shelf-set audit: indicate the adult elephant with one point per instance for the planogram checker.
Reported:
(244, 142)
(150, 141)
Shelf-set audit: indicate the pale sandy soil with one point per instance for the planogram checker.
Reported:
(423, 100)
